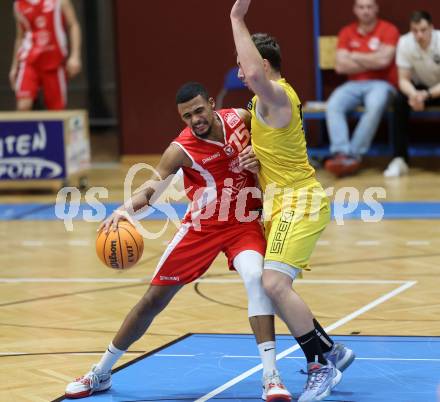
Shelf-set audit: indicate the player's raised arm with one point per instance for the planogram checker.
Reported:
(252, 66)
(172, 160)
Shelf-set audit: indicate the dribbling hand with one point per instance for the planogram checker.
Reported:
(111, 223)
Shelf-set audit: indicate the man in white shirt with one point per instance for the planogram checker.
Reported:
(418, 62)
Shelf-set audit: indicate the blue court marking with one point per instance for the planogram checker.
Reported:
(46, 211)
(392, 210)
(387, 369)
(418, 151)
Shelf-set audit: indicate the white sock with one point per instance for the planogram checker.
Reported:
(110, 357)
(268, 354)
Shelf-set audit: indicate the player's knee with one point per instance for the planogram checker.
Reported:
(252, 279)
(259, 303)
(273, 288)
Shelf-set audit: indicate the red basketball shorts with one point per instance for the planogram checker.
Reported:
(31, 78)
(190, 253)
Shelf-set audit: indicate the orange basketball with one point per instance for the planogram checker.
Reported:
(120, 249)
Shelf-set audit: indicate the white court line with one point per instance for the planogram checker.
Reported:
(400, 359)
(78, 243)
(59, 354)
(323, 243)
(236, 357)
(32, 243)
(73, 280)
(41, 243)
(403, 359)
(367, 243)
(81, 242)
(290, 350)
(319, 281)
(418, 243)
(219, 281)
(54, 354)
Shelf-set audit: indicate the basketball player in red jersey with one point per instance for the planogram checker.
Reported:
(40, 58)
(219, 219)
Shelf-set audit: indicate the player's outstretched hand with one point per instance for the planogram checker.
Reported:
(111, 223)
(248, 160)
(73, 66)
(240, 9)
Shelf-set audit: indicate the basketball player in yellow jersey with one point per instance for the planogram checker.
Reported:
(296, 208)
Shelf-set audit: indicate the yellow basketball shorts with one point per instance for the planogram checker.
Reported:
(292, 233)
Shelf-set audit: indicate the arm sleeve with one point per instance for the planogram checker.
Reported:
(402, 56)
(344, 39)
(390, 35)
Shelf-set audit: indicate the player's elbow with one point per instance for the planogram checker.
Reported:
(384, 62)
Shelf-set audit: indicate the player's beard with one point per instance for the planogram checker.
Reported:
(204, 133)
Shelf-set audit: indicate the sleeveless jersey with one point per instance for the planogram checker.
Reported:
(218, 189)
(44, 39)
(282, 151)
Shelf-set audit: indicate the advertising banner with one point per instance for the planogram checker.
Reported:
(32, 150)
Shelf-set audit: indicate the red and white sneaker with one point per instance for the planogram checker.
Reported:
(93, 381)
(274, 389)
(342, 165)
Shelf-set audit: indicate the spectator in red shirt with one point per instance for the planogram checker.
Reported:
(365, 53)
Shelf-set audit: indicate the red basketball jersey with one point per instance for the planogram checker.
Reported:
(218, 188)
(45, 39)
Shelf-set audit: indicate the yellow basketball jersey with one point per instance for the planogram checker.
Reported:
(282, 151)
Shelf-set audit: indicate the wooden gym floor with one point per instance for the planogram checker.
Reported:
(59, 306)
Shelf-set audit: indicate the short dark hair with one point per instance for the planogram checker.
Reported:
(269, 49)
(189, 91)
(420, 15)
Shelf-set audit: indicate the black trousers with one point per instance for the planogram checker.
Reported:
(400, 129)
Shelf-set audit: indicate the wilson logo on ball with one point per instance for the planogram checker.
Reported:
(121, 248)
(113, 257)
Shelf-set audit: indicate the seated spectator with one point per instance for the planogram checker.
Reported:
(365, 53)
(418, 62)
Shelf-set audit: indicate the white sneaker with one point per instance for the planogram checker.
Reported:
(396, 168)
(274, 389)
(93, 381)
(320, 382)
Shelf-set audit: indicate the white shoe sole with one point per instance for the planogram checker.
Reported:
(84, 394)
(286, 397)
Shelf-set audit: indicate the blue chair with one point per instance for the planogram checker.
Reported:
(231, 83)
